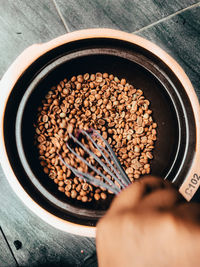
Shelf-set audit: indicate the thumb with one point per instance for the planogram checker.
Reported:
(131, 196)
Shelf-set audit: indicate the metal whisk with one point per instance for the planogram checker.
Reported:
(113, 167)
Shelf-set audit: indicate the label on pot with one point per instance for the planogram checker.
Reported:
(190, 186)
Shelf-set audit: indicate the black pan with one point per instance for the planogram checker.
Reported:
(172, 110)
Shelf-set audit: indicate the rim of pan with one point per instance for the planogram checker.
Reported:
(27, 58)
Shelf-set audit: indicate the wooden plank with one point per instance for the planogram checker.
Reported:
(180, 37)
(23, 23)
(42, 245)
(126, 15)
(6, 257)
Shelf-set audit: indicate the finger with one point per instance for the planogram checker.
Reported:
(161, 199)
(189, 212)
(132, 195)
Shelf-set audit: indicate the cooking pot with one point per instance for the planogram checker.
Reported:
(173, 101)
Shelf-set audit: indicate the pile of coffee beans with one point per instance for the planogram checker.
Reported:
(103, 102)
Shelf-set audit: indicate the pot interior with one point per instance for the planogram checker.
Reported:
(170, 105)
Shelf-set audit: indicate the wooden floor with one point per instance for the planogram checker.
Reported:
(174, 25)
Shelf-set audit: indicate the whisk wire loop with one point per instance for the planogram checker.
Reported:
(119, 178)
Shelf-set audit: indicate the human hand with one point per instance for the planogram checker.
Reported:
(149, 224)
